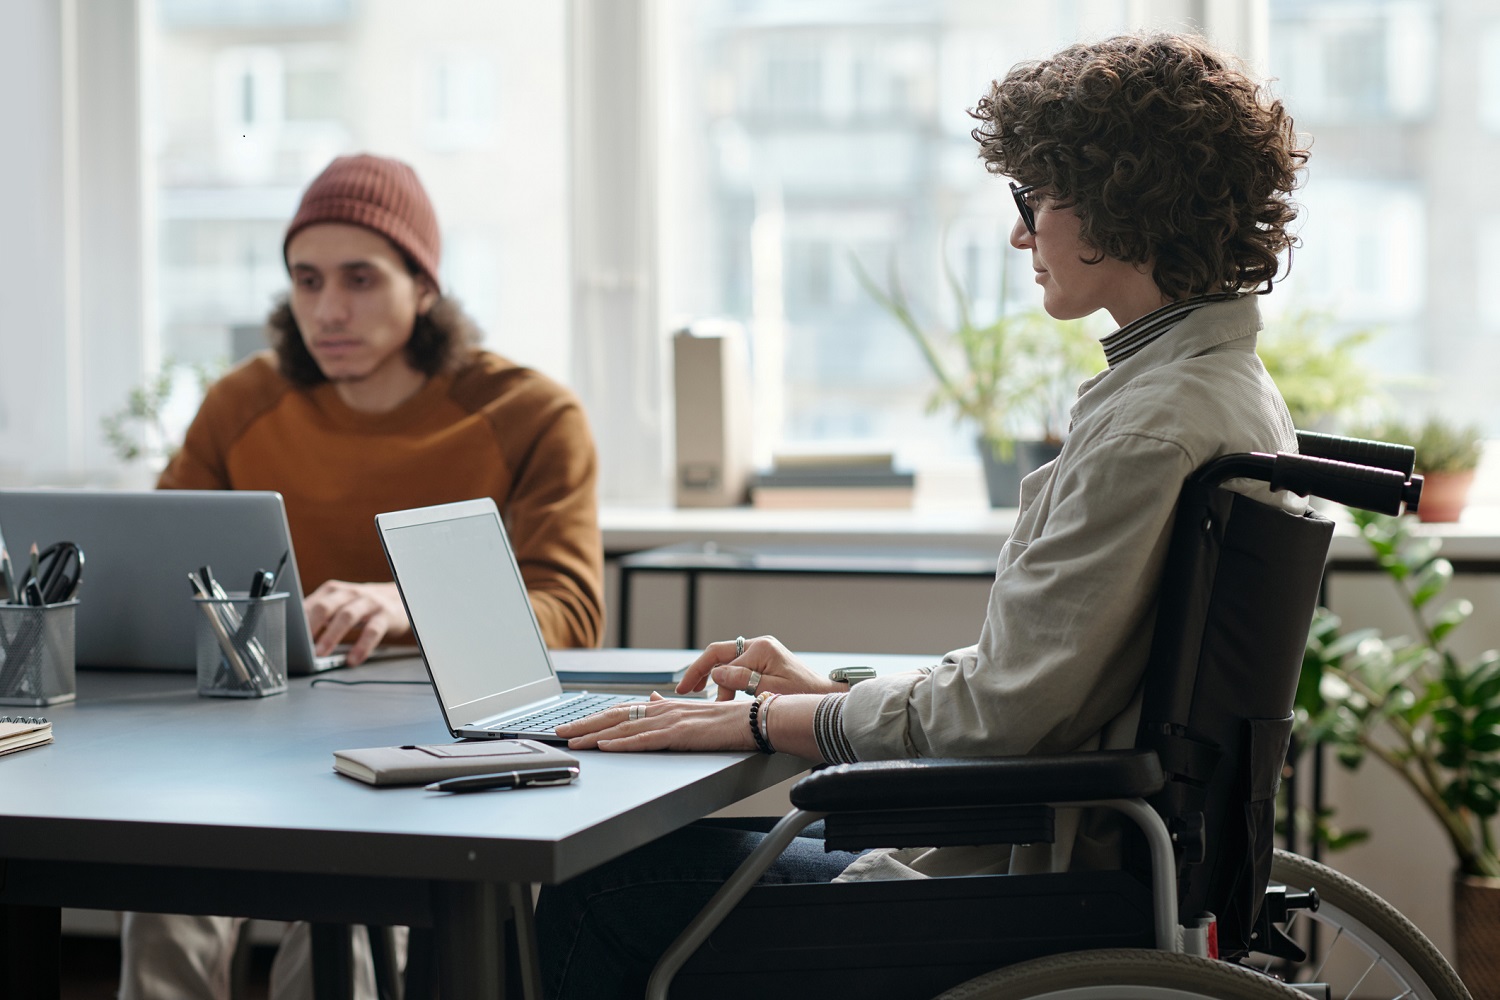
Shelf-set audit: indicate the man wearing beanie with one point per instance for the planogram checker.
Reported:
(377, 398)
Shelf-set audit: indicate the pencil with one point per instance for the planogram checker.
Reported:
(35, 563)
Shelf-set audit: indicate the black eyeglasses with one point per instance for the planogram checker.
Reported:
(1028, 214)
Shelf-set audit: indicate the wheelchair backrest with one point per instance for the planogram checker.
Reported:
(1238, 594)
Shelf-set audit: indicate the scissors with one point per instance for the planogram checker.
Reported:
(59, 572)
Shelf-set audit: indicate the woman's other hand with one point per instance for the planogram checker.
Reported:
(763, 661)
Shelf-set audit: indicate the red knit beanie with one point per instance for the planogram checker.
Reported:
(380, 194)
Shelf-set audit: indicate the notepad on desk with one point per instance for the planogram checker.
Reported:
(417, 765)
(21, 732)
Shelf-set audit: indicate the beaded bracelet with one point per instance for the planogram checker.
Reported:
(765, 720)
(760, 741)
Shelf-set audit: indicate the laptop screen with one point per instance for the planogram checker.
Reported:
(468, 607)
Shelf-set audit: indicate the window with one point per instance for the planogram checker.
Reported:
(818, 138)
(1488, 65)
(1395, 228)
(460, 100)
(786, 139)
(1354, 61)
(253, 99)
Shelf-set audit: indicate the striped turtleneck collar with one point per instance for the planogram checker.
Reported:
(1135, 335)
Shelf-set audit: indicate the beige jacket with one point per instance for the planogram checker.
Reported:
(1060, 659)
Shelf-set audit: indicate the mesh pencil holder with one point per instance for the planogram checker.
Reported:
(241, 646)
(37, 663)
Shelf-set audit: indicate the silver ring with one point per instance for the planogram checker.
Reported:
(754, 683)
(637, 712)
(739, 646)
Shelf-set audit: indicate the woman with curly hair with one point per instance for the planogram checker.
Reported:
(1151, 177)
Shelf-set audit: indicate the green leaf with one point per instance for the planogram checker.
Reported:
(1349, 642)
(1431, 581)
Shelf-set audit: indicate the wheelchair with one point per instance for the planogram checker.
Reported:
(1238, 592)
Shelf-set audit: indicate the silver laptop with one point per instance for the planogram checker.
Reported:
(473, 622)
(135, 606)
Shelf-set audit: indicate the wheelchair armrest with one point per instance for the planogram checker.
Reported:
(990, 781)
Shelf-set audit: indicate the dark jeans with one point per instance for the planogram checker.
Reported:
(601, 933)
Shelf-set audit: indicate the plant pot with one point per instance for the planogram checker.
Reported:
(1003, 478)
(1476, 934)
(1444, 495)
(1032, 455)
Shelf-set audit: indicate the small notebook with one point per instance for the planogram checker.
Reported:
(17, 732)
(417, 765)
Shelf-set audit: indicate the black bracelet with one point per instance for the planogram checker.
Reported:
(760, 741)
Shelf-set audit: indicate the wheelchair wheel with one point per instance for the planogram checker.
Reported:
(1122, 974)
(1365, 940)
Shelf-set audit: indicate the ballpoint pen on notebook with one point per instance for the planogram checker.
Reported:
(506, 779)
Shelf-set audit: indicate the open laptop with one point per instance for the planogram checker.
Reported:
(473, 622)
(135, 606)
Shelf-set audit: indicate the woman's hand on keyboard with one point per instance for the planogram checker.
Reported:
(779, 671)
(667, 724)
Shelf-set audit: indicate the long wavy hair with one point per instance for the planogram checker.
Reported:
(1170, 153)
(441, 339)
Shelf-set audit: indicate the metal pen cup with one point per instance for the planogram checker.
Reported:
(241, 644)
(37, 660)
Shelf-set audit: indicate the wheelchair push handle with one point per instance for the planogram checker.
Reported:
(1401, 458)
(1385, 491)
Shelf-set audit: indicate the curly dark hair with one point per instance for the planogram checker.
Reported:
(440, 340)
(1168, 150)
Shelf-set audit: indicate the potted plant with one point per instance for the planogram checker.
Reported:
(1429, 715)
(1447, 455)
(1320, 375)
(1019, 371)
(137, 432)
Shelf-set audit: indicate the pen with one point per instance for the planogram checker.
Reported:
(506, 779)
(221, 632)
(8, 576)
(276, 577)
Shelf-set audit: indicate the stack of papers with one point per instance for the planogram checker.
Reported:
(21, 732)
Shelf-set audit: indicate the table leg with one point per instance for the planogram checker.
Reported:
(333, 961)
(692, 610)
(30, 951)
(523, 920)
(622, 608)
(468, 923)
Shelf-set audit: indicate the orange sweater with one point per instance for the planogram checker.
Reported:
(490, 429)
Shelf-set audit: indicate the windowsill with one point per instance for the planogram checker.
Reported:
(950, 514)
(629, 529)
(971, 529)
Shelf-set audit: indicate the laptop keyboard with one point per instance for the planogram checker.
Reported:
(549, 719)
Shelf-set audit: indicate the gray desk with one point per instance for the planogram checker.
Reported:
(154, 799)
